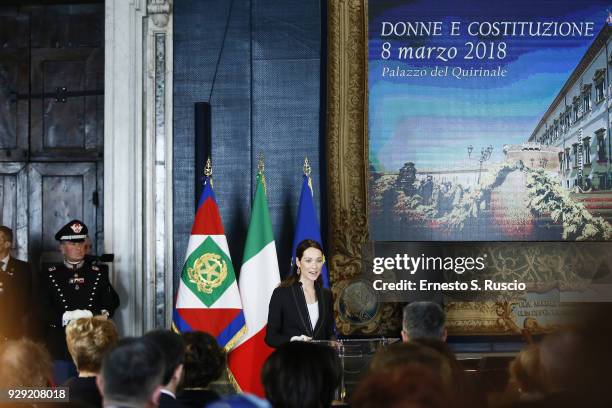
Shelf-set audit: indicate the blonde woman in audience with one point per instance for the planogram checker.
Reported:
(88, 340)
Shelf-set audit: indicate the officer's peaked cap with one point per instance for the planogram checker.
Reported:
(74, 231)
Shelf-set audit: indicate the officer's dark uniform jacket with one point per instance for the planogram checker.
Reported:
(64, 288)
(15, 299)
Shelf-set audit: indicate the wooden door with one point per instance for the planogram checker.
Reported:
(51, 123)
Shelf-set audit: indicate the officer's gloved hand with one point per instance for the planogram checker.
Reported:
(71, 315)
(303, 337)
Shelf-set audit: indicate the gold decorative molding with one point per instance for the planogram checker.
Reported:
(347, 153)
(347, 106)
(486, 318)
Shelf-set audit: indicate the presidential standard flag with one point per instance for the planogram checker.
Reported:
(259, 276)
(208, 298)
(307, 226)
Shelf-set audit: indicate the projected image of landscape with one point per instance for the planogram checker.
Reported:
(489, 121)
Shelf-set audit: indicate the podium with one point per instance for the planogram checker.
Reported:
(354, 356)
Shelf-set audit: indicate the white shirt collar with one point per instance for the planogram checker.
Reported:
(5, 262)
(71, 266)
(165, 391)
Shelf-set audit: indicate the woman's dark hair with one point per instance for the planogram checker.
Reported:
(172, 346)
(410, 385)
(299, 252)
(204, 359)
(300, 374)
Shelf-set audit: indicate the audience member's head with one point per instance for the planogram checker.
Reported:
(403, 354)
(88, 341)
(408, 386)
(561, 357)
(597, 330)
(6, 233)
(131, 374)
(172, 347)
(299, 374)
(569, 367)
(525, 372)
(423, 320)
(575, 360)
(24, 363)
(204, 359)
(6, 240)
(464, 388)
(441, 347)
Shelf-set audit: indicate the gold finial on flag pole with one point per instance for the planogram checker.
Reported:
(307, 168)
(260, 164)
(260, 171)
(208, 171)
(307, 171)
(208, 168)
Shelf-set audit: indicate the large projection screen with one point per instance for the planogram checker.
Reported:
(487, 119)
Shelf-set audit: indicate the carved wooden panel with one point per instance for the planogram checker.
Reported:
(64, 126)
(67, 26)
(13, 81)
(14, 205)
(58, 193)
(67, 79)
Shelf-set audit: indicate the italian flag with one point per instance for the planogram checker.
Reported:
(259, 276)
(208, 298)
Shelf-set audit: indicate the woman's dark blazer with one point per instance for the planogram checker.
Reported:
(288, 315)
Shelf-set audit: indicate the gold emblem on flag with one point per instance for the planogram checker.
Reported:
(208, 272)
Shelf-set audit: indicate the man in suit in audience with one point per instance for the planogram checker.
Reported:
(172, 347)
(423, 320)
(15, 290)
(131, 374)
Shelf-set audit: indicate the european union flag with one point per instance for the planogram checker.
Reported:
(307, 226)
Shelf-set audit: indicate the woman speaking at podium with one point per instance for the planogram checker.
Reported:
(300, 307)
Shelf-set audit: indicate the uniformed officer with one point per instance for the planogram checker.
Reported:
(15, 290)
(71, 290)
